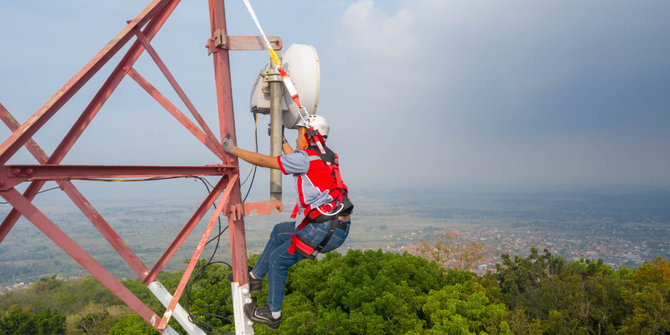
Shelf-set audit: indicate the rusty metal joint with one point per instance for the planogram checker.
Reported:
(211, 46)
(236, 212)
(220, 41)
(138, 31)
(9, 179)
(217, 41)
(21, 172)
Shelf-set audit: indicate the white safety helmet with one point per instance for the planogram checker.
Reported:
(319, 123)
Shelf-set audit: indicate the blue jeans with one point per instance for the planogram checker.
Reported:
(275, 259)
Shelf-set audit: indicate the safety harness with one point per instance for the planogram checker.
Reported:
(338, 192)
(340, 206)
(309, 250)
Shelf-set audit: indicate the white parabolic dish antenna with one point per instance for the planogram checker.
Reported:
(302, 64)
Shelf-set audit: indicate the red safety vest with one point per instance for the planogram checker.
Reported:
(324, 175)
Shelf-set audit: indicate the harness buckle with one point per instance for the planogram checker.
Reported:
(332, 208)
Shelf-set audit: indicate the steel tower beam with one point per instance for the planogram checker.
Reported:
(227, 191)
(224, 98)
(68, 90)
(44, 113)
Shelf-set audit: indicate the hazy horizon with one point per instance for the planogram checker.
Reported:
(426, 94)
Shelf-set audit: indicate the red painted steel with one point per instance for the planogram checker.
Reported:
(223, 203)
(52, 231)
(224, 93)
(263, 207)
(152, 19)
(252, 43)
(96, 219)
(241, 43)
(9, 120)
(186, 230)
(31, 145)
(14, 215)
(110, 85)
(93, 107)
(59, 172)
(105, 229)
(185, 121)
(42, 115)
(224, 97)
(177, 88)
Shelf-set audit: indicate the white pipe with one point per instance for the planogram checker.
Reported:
(241, 296)
(275, 131)
(179, 312)
(170, 331)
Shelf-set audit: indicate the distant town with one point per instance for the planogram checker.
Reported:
(623, 229)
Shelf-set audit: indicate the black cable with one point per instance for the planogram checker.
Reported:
(250, 185)
(203, 324)
(127, 180)
(36, 193)
(193, 317)
(256, 147)
(188, 301)
(204, 180)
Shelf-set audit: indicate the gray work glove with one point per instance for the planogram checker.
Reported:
(228, 145)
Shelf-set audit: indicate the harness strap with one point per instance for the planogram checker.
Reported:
(339, 193)
(296, 209)
(321, 214)
(334, 168)
(320, 143)
(336, 173)
(307, 249)
(333, 225)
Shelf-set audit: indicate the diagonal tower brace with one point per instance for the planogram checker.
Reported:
(144, 27)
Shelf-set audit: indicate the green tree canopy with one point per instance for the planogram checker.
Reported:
(23, 321)
(373, 292)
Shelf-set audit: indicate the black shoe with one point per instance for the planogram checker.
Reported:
(261, 315)
(255, 285)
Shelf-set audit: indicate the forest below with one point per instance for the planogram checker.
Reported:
(375, 292)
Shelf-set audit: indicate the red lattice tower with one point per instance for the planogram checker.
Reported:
(140, 31)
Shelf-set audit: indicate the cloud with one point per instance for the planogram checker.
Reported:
(507, 92)
(367, 33)
(417, 91)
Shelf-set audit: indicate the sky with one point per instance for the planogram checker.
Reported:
(420, 94)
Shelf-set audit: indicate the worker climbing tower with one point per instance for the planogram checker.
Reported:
(135, 39)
